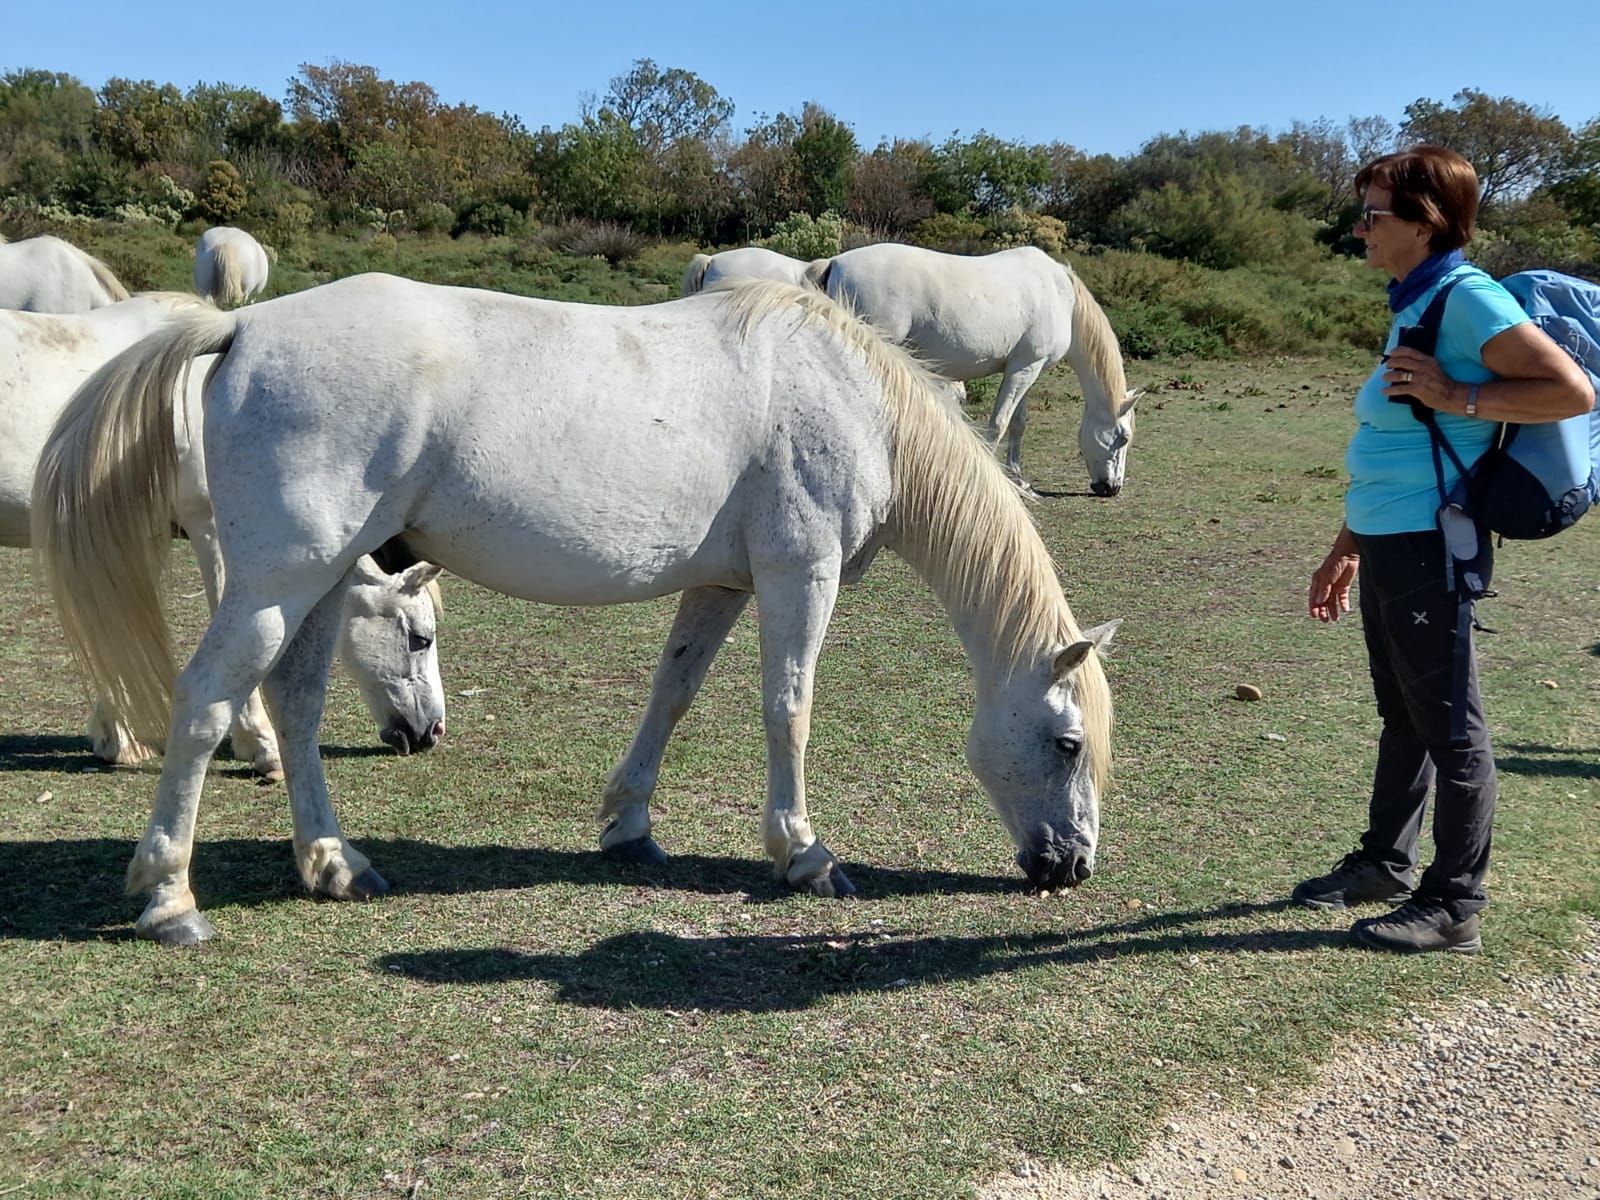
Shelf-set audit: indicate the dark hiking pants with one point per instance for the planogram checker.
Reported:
(1410, 623)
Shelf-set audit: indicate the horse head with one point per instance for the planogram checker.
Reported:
(1040, 745)
(1103, 439)
(388, 643)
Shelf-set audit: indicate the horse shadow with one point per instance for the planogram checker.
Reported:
(72, 889)
(648, 969)
(63, 754)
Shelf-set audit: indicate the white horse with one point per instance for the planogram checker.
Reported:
(756, 441)
(747, 262)
(43, 359)
(1018, 311)
(229, 265)
(46, 274)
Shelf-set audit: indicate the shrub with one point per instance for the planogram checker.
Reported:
(595, 239)
(433, 217)
(802, 236)
(1018, 227)
(952, 233)
(222, 195)
(490, 218)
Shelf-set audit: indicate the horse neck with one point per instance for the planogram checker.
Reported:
(958, 522)
(1095, 356)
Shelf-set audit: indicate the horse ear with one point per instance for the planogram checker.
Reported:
(1133, 398)
(368, 572)
(421, 575)
(1070, 659)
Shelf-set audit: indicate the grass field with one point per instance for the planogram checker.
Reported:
(519, 1018)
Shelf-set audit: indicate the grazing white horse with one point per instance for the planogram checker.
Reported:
(46, 274)
(43, 360)
(1018, 311)
(229, 265)
(760, 441)
(747, 262)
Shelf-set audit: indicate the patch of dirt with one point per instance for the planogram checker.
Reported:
(1493, 1100)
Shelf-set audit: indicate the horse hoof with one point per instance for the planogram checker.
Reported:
(189, 929)
(270, 772)
(835, 885)
(368, 885)
(638, 852)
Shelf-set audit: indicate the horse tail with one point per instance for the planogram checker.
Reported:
(1095, 348)
(104, 276)
(817, 273)
(103, 498)
(228, 274)
(694, 276)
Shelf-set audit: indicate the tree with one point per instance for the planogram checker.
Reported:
(46, 121)
(887, 193)
(140, 121)
(986, 175)
(663, 107)
(825, 152)
(1512, 145)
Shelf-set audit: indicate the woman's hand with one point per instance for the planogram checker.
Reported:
(1408, 372)
(1330, 583)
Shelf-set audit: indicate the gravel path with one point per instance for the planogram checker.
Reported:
(1493, 1100)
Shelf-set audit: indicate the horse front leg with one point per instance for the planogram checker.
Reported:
(796, 605)
(253, 738)
(231, 658)
(296, 690)
(1010, 414)
(705, 617)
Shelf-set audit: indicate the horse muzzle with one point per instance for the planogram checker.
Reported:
(1057, 863)
(1104, 487)
(406, 741)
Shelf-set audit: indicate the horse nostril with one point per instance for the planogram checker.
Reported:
(1101, 487)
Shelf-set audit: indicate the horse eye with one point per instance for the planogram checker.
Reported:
(418, 642)
(1068, 747)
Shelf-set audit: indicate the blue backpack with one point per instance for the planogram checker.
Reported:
(1534, 480)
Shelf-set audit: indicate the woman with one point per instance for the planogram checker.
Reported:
(1491, 365)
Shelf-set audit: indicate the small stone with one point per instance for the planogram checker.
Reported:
(1240, 1175)
(1345, 1147)
(1549, 683)
(1286, 1163)
(1247, 691)
(1274, 737)
(44, 797)
(1448, 1138)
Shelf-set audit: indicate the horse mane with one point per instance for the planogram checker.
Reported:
(955, 516)
(1092, 332)
(694, 275)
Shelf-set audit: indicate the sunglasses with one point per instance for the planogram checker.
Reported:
(1368, 212)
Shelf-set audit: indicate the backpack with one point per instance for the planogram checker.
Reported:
(1534, 480)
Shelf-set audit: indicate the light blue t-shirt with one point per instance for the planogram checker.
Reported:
(1393, 488)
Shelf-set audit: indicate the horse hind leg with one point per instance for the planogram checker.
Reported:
(233, 655)
(705, 617)
(113, 742)
(296, 692)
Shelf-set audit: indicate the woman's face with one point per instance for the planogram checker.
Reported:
(1393, 244)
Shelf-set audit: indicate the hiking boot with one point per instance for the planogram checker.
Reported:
(1355, 880)
(1417, 926)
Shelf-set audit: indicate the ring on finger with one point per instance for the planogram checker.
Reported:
(1405, 376)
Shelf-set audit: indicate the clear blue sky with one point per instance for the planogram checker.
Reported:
(1102, 76)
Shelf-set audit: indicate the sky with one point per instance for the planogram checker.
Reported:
(1104, 77)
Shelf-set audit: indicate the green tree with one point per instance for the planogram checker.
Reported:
(825, 153)
(887, 191)
(987, 175)
(664, 107)
(46, 121)
(1512, 145)
(140, 121)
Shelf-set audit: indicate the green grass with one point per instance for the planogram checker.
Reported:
(519, 1018)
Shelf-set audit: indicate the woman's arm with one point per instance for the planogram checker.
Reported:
(1538, 380)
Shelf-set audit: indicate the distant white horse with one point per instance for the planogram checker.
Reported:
(388, 621)
(755, 441)
(747, 262)
(1017, 311)
(229, 265)
(46, 274)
